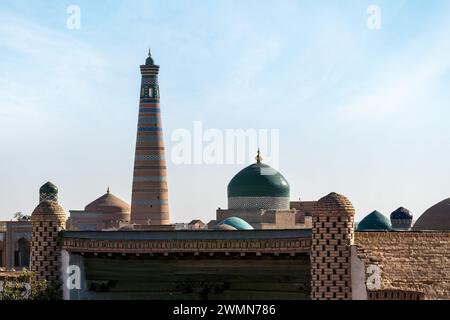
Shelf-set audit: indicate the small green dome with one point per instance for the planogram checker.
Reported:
(237, 223)
(374, 221)
(48, 192)
(258, 180)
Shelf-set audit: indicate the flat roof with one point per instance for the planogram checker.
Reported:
(189, 234)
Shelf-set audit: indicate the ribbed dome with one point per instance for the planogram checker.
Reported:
(48, 208)
(224, 227)
(108, 203)
(435, 218)
(401, 219)
(128, 227)
(335, 204)
(258, 180)
(233, 223)
(401, 213)
(48, 192)
(374, 221)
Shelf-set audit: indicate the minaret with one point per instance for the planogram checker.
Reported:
(47, 220)
(332, 237)
(149, 200)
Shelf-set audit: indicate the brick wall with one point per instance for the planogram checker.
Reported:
(48, 219)
(332, 236)
(410, 261)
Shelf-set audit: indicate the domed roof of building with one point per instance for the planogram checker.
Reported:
(401, 213)
(375, 221)
(48, 207)
(258, 180)
(108, 203)
(224, 227)
(435, 218)
(48, 187)
(127, 227)
(237, 223)
(48, 192)
(335, 204)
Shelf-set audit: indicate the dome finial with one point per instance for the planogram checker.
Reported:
(107, 190)
(149, 61)
(258, 157)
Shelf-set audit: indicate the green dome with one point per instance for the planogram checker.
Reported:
(375, 221)
(237, 223)
(258, 180)
(48, 192)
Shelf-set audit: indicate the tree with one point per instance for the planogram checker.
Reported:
(19, 216)
(26, 287)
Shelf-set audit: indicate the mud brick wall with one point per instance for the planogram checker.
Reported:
(411, 261)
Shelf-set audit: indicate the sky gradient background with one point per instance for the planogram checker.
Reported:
(361, 112)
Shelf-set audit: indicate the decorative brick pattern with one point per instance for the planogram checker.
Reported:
(332, 236)
(395, 295)
(47, 220)
(281, 203)
(274, 246)
(149, 199)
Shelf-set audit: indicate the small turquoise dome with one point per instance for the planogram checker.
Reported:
(224, 227)
(374, 221)
(237, 223)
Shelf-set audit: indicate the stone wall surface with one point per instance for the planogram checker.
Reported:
(410, 261)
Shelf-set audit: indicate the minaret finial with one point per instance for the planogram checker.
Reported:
(149, 61)
(258, 157)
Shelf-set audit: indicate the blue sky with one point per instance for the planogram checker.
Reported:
(361, 112)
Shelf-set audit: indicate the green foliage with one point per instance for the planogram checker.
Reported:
(26, 287)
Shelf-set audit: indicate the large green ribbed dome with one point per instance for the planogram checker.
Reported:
(258, 180)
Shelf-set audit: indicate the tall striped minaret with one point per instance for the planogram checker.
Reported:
(149, 200)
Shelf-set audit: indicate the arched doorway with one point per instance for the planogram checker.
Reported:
(22, 256)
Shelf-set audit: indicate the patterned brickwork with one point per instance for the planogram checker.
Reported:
(258, 203)
(410, 261)
(395, 295)
(48, 219)
(149, 200)
(332, 230)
